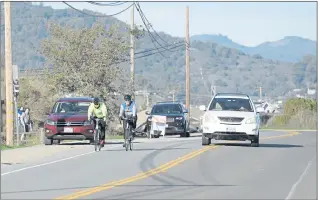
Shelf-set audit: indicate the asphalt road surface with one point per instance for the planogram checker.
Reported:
(283, 167)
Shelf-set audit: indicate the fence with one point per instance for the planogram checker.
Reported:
(26, 138)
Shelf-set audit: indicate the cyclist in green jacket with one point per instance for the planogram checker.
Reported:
(99, 110)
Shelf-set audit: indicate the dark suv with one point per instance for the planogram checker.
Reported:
(68, 120)
(177, 118)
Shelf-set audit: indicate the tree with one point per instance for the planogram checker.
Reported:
(85, 61)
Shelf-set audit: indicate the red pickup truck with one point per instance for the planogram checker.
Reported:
(68, 121)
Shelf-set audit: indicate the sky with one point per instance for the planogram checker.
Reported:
(246, 23)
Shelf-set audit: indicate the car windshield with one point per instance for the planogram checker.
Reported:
(167, 109)
(71, 107)
(231, 104)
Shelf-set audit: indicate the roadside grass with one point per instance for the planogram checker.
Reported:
(29, 141)
(114, 137)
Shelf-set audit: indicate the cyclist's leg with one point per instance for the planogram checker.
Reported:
(134, 125)
(100, 125)
(103, 129)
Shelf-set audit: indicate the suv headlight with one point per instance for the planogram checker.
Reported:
(209, 119)
(51, 122)
(251, 120)
(179, 118)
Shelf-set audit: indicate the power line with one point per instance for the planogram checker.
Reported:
(149, 33)
(149, 50)
(126, 60)
(97, 15)
(152, 37)
(157, 52)
(117, 3)
(149, 24)
(153, 40)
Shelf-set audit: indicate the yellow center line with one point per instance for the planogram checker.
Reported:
(139, 176)
(162, 168)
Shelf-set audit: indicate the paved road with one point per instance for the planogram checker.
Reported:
(284, 166)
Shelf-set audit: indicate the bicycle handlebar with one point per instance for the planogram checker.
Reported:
(125, 118)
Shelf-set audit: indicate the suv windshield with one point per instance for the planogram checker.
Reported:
(71, 107)
(167, 109)
(231, 104)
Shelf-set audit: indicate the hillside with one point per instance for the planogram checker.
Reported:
(229, 69)
(290, 48)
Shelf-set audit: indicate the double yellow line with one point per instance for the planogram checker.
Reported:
(142, 175)
(162, 168)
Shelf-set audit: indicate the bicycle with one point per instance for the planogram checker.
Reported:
(97, 134)
(128, 135)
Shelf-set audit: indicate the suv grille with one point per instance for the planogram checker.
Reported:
(231, 119)
(70, 123)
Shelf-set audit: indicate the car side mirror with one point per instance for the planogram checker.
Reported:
(202, 108)
(185, 111)
(147, 112)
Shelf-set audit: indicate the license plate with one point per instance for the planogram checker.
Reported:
(230, 129)
(68, 130)
(170, 120)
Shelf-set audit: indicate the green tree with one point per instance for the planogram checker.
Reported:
(85, 61)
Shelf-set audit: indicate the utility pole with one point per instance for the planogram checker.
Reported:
(187, 62)
(213, 90)
(8, 72)
(173, 95)
(1, 127)
(260, 93)
(132, 53)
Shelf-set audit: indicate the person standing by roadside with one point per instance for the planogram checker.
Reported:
(25, 119)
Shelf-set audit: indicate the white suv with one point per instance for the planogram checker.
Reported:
(230, 117)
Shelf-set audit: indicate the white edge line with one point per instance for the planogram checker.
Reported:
(293, 189)
(56, 161)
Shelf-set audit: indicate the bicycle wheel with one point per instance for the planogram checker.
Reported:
(127, 140)
(99, 139)
(130, 144)
(95, 140)
(130, 140)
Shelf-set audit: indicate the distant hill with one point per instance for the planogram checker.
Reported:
(290, 48)
(229, 69)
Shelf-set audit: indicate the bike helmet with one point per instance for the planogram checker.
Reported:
(96, 102)
(127, 97)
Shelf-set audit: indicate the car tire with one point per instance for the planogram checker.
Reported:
(183, 134)
(255, 141)
(91, 142)
(48, 141)
(205, 140)
(187, 134)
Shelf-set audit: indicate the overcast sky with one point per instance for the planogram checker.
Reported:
(247, 23)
